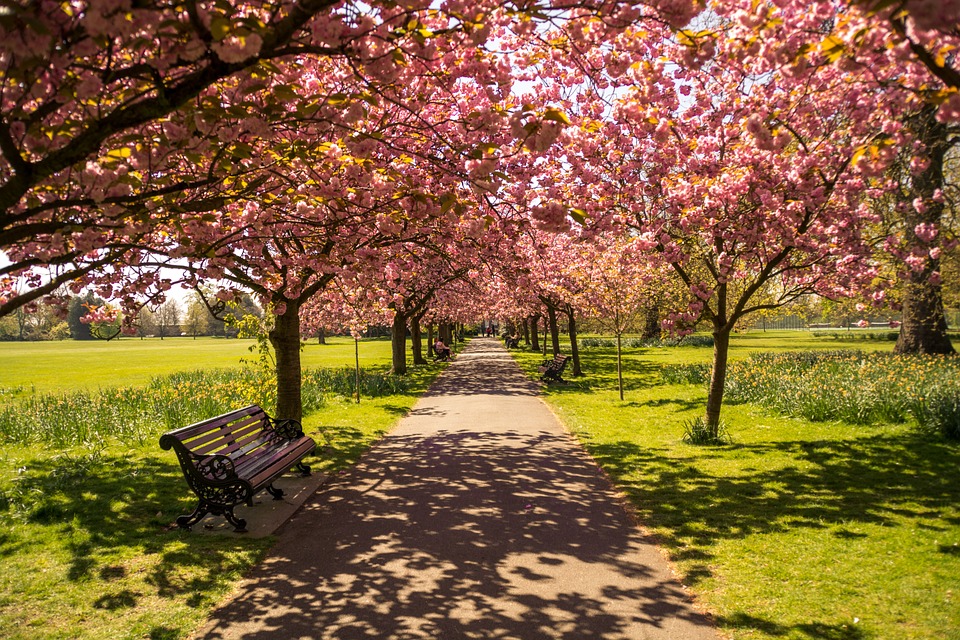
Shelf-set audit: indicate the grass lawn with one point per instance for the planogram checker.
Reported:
(86, 547)
(795, 530)
(90, 364)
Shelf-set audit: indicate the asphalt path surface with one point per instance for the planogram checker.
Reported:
(478, 516)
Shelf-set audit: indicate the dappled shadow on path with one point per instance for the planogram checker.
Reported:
(484, 368)
(464, 533)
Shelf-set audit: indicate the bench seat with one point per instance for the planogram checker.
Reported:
(228, 459)
(553, 369)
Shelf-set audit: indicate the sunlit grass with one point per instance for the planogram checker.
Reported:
(87, 550)
(95, 364)
(797, 529)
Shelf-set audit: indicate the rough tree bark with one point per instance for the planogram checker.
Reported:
(574, 347)
(398, 344)
(651, 322)
(924, 325)
(285, 339)
(535, 332)
(554, 329)
(721, 348)
(416, 341)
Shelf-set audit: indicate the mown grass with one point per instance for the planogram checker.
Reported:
(795, 530)
(77, 365)
(86, 544)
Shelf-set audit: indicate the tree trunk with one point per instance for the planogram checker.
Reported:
(285, 339)
(619, 366)
(554, 329)
(924, 326)
(446, 334)
(416, 341)
(721, 348)
(535, 332)
(398, 343)
(430, 340)
(321, 336)
(651, 323)
(526, 331)
(356, 369)
(574, 347)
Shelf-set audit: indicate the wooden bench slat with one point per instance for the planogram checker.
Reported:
(223, 433)
(227, 459)
(232, 442)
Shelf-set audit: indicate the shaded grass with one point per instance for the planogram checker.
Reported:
(797, 529)
(87, 546)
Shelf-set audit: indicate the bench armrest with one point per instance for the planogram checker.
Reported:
(288, 428)
(214, 467)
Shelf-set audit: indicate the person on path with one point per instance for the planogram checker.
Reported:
(442, 350)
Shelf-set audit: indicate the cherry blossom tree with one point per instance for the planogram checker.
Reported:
(617, 287)
(742, 176)
(904, 50)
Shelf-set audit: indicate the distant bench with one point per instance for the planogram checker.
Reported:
(228, 459)
(553, 369)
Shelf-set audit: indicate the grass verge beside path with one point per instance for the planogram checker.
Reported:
(795, 530)
(86, 546)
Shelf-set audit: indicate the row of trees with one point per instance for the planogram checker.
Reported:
(425, 163)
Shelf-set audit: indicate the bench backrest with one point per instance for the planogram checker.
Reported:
(233, 434)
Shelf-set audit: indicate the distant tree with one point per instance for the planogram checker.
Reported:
(168, 318)
(146, 323)
(78, 308)
(197, 319)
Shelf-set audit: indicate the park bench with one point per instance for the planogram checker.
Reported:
(228, 459)
(553, 369)
(512, 342)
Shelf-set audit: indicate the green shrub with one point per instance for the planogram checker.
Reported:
(698, 431)
(168, 402)
(853, 386)
(939, 412)
(685, 341)
(686, 373)
(587, 343)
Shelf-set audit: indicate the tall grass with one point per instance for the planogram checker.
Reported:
(138, 414)
(856, 387)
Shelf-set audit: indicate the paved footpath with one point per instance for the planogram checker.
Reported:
(478, 516)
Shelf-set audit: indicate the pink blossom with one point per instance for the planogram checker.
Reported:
(233, 48)
(925, 231)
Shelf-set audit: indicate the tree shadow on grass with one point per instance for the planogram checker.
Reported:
(680, 403)
(872, 480)
(104, 509)
(818, 630)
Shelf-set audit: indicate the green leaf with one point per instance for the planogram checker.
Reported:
(220, 28)
(447, 200)
(832, 48)
(242, 150)
(285, 93)
(556, 115)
